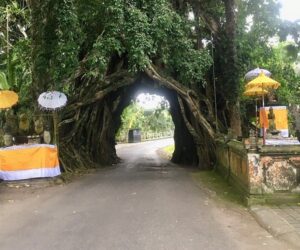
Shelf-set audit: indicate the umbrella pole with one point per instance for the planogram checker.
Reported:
(264, 134)
(55, 121)
(263, 128)
(256, 120)
(263, 124)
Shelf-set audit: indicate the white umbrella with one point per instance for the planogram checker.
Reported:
(52, 100)
(255, 73)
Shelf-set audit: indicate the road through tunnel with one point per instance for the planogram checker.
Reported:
(88, 128)
(185, 150)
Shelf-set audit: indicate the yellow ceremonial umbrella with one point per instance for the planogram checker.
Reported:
(263, 82)
(8, 99)
(255, 91)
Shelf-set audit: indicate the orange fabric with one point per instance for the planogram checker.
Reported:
(281, 120)
(28, 158)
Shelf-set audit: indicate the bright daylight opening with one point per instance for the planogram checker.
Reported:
(146, 118)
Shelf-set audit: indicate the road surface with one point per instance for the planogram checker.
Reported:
(142, 203)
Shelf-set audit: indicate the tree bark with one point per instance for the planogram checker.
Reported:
(185, 151)
(231, 68)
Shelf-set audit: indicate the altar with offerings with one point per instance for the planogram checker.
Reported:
(29, 161)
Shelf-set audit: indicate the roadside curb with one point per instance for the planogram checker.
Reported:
(34, 183)
(275, 224)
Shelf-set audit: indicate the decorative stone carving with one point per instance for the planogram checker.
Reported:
(47, 134)
(12, 122)
(38, 126)
(8, 140)
(47, 137)
(24, 124)
(7, 137)
(272, 131)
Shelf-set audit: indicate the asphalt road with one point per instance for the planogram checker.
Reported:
(142, 203)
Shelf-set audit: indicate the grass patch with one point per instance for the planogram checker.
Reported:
(168, 150)
(215, 182)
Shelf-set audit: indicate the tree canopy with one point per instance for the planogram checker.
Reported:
(91, 49)
(92, 35)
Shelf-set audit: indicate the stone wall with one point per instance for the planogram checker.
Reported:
(269, 174)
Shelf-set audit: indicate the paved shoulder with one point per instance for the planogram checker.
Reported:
(281, 221)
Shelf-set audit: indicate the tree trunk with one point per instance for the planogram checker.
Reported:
(185, 148)
(231, 68)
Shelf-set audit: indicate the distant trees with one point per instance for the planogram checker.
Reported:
(149, 121)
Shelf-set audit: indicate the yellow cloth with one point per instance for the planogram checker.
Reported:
(280, 113)
(28, 157)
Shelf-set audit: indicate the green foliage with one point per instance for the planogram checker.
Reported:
(146, 32)
(64, 59)
(3, 81)
(169, 150)
(56, 43)
(135, 116)
(258, 21)
(132, 117)
(292, 29)
(15, 56)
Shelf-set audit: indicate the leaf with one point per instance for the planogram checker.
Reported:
(3, 81)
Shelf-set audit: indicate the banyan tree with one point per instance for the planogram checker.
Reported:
(92, 119)
(102, 52)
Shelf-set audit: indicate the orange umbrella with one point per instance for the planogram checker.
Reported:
(8, 99)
